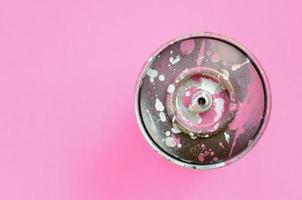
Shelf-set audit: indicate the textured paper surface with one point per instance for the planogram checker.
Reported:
(67, 77)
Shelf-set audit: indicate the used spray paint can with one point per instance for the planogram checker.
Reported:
(202, 101)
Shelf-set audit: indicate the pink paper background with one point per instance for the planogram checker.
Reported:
(67, 77)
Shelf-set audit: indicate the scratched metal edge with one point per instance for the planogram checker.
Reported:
(265, 84)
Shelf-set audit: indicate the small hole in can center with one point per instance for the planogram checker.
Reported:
(201, 101)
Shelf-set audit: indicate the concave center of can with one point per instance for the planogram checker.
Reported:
(201, 102)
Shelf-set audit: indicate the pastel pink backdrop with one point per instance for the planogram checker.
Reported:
(67, 77)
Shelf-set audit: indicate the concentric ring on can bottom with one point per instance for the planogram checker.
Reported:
(174, 158)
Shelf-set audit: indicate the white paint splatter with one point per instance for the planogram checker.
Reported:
(192, 136)
(161, 77)
(227, 137)
(162, 117)
(171, 88)
(175, 129)
(158, 105)
(200, 59)
(199, 120)
(208, 85)
(237, 66)
(219, 104)
(170, 142)
(168, 133)
(174, 60)
(152, 73)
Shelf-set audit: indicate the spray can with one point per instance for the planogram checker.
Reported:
(202, 101)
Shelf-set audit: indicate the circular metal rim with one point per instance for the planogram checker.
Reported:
(209, 72)
(267, 92)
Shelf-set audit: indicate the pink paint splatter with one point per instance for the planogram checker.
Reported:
(215, 57)
(201, 157)
(187, 46)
